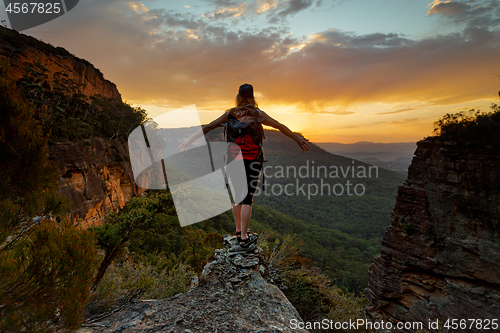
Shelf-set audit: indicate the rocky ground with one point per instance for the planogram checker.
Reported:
(237, 292)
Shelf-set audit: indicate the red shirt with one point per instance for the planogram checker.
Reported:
(248, 148)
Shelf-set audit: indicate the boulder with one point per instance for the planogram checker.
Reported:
(236, 292)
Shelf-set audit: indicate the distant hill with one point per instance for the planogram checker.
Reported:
(394, 156)
(363, 215)
(397, 148)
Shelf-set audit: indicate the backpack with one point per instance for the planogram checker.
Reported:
(245, 120)
(241, 121)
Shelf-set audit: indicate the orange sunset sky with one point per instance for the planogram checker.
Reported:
(337, 71)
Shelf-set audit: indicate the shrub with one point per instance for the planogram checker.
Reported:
(45, 279)
(46, 266)
(473, 128)
(128, 278)
(67, 115)
(310, 291)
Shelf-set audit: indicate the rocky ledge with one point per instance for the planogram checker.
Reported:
(237, 292)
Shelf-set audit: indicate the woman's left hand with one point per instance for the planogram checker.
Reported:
(302, 142)
(184, 144)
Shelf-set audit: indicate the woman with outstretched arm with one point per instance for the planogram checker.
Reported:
(250, 144)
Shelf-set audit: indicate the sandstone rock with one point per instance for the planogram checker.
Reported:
(96, 177)
(59, 64)
(440, 255)
(232, 296)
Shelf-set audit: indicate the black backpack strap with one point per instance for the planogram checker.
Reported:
(262, 160)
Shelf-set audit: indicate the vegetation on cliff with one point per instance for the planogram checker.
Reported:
(61, 108)
(46, 264)
(68, 116)
(471, 129)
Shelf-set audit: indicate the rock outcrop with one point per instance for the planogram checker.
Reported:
(96, 177)
(440, 255)
(59, 65)
(237, 292)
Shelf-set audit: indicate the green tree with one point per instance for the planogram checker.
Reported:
(200, 247)
(115, 233)
(28, 178)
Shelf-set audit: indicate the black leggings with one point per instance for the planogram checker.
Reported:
(253, 169)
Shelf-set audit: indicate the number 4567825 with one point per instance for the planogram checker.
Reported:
(471, 324)
(33, 8)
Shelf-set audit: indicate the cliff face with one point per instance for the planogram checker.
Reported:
(440, 255)
(24, 51)
(237, 293)
(96, 177)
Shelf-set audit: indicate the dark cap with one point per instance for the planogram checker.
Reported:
(246, 90)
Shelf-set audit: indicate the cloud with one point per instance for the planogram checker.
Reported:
(294, 6)
(468, 108)
(286, 8)
(223, 3)
(396, 111)
(398, 122)
(437, 70)
(166, 57)
(161, 17)
(352, 40)
(474, 13)
(274, 10)
(339, 112)
(228, 12)
(317, 109)
(448, 8)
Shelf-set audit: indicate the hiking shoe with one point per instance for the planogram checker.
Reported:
(245, 243)
(238, 235)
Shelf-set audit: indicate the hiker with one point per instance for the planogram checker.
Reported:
(250, 144)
